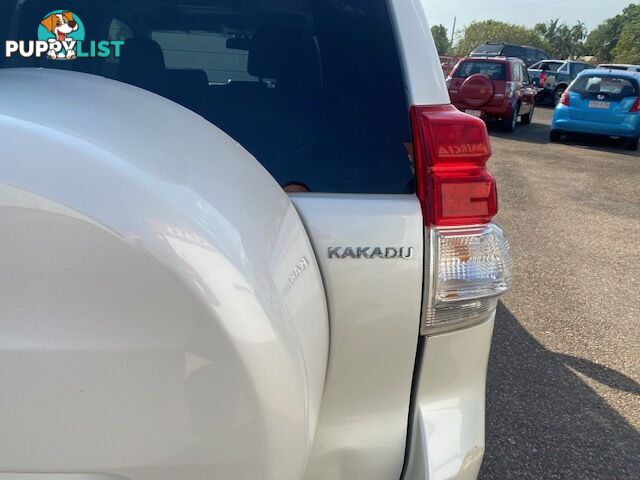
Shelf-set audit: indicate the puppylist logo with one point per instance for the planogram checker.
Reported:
(61, 36)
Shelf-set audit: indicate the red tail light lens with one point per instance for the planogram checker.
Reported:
(564, 99)
(543, 79)
(451, 149)
(636, 106)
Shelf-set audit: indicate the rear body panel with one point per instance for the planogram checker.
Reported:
(374, 307)
(596, 110)
(627, 125)
(447, 430)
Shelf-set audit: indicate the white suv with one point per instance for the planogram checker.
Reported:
(253, 242)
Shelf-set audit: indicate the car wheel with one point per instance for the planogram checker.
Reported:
(555, 135)
(509, 124)
(557, 94)
(631, 143)
(526, 119)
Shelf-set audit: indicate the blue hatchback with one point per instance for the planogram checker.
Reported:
(600, 102)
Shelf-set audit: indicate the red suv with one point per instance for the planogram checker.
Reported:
(496, 88)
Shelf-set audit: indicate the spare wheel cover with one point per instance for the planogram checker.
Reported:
(477, 90)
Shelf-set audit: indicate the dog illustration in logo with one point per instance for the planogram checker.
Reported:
(61, 25)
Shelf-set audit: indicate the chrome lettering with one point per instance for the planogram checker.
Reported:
(370, 252)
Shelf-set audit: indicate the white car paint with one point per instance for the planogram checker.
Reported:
(375, 319)
(447, 429)
(422, 71)
(151, 326)
(191, 254)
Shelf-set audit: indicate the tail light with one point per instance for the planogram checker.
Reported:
(543, 79)
(451, 149)
(469, 262)
(510, 89)
(636, 106)
(565, 99)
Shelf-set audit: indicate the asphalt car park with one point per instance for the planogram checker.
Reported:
(563, 396)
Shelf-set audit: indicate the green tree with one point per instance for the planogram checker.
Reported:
(479, 32)
(441, 37)
(603, 39)
(563, 41)
(627, 49)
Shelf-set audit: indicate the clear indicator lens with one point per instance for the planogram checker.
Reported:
(470, 268)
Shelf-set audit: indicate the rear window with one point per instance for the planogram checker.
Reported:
(513, 51)
(494, 70)
(542, 54)
(547, 66)
(608, 86)
(489, 49)
(312, 88)
(614, 67)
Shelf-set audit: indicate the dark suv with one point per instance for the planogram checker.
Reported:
(494, 88)
(528, 55)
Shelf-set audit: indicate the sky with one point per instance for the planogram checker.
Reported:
(524, 12)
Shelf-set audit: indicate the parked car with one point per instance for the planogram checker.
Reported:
(170, 312)
(601, 102)
(552, 77)
(620, 66)
(527, 54)
(494, 89)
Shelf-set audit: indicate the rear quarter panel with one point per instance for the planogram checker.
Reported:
(374, 311)
(424, 80)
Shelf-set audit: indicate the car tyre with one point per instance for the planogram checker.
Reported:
(557, 95)
(555, 135)
(526, 119)
(631, 143)
(509, 124)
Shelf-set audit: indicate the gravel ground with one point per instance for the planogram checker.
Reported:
(564, 375)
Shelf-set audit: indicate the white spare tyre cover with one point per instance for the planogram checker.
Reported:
(162, 315)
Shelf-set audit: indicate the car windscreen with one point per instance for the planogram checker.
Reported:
(313, 89)
(605, 87)
(493, 70)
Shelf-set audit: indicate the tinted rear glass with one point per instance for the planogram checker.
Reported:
(513, 51)
(312, 88)
(608, 87)
(615, 67)
(490, 49)
(494, 70)
(548, 66)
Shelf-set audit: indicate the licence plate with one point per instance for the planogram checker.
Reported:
(475, 113)
(599, 105)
